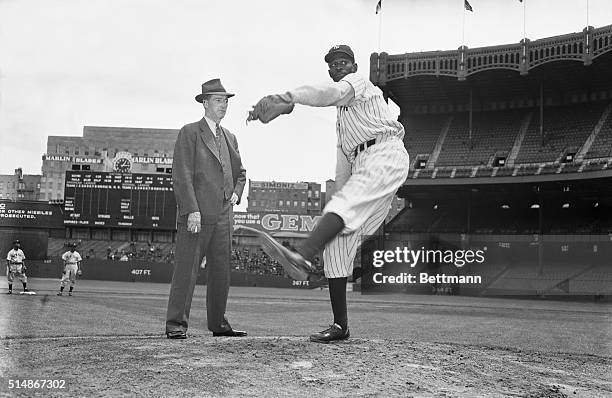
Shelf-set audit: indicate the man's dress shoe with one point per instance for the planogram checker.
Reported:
(230, 333)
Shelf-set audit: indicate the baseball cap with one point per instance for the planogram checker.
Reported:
(339, 49)
(16, 241)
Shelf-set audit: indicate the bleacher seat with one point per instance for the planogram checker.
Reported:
(463, 172)
(531, 278)
(422, 132)
(484, 171)
(94, 248)
(571, 168)
(504, 171)
(551, 168)
(597, 280)
(492, 132)
(564, 126)
(444, 172)
(594, 165)
(527, 170)
(425, 173)
(602, 146)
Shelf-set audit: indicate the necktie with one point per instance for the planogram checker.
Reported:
(227, 176)
(217, 136)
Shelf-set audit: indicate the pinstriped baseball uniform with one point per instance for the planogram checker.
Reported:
(365, 183)
(367, 116)
(363, 202)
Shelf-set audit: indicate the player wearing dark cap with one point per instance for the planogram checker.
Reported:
(372, 164)
(16, 267)
(72, 268)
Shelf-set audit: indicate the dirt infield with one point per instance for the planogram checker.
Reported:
(290, 366)
(107, 340)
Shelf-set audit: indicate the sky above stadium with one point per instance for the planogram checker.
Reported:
(65, 64)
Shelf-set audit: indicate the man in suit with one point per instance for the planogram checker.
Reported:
(208, 179)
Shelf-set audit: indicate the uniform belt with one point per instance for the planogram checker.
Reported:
(363, 146)
(14, 263)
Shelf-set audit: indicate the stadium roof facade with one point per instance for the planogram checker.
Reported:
(427, 82)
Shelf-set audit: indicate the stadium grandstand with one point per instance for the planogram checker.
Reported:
(511, 152)
(508, 110)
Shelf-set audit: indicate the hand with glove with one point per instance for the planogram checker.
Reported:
(270, 107)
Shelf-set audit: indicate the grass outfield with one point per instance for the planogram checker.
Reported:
(108, 340)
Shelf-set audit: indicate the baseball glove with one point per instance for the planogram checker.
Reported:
(269, 108)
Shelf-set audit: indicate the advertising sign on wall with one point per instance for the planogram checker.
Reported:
(276, 222)
(30, 214)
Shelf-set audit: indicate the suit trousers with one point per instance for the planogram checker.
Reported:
(214, 242)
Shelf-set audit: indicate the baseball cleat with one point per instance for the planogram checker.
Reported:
(59, 294)
(294, 264)
(70, 293)
(9, 292)
(333, 333)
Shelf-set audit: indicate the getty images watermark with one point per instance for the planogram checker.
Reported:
(410, 257)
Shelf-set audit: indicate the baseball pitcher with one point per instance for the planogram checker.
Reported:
(372, 164)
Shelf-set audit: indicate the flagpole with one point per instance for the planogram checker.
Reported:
(587, 16)
(463, 30)
(379, 29)
(524, 20)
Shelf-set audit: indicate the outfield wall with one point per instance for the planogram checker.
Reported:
(148, 271)
(34, 243)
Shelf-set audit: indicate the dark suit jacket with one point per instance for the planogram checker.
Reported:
(197, 175)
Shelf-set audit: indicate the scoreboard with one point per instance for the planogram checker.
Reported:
(119, 200)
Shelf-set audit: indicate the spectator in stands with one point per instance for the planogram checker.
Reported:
(256, 261)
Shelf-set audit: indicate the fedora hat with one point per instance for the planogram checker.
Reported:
(213, 86)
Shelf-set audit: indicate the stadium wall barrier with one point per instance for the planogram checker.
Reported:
(148, 271)
(513, 265)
